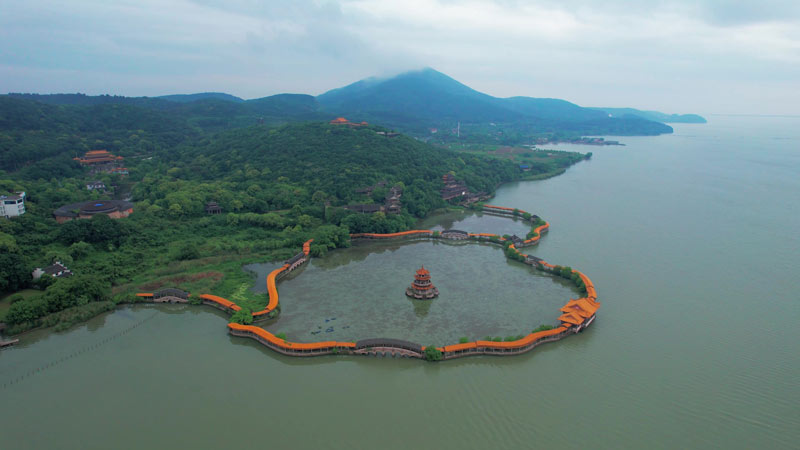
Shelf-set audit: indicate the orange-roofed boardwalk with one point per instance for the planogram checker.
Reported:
(576, 314)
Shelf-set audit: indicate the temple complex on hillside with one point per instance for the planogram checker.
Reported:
(95, 157)
(102, 161)
(343, 121)
(422, 288)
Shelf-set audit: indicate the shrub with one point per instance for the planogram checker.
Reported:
(432, 353)
(542, 328)
(243, 317)
(281, 336)
(463, 340)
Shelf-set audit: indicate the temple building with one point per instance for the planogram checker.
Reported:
(96, 157)
(213, 208)
(343, 121)
(453, 188)
(422, 288)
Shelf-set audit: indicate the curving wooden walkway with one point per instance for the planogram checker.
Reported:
(577, 313)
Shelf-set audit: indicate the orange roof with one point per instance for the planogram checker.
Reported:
(423, 271)
(527, 340)
(572, 318)
(144, 295)
(504, 208)
(389, 235)
(307, 247)
(272, 291)
(340, 120)
(457, 347)
(271, 338)
(221, 301)
(582, 307)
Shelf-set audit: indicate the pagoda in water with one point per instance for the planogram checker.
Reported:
(422, 288)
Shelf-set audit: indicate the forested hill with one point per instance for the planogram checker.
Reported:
(41, 134)
(417, 101)
(426, 104)
(264, 169)
(42, 138)
(653, 115)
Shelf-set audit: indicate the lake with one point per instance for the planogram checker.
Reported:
(691, 240)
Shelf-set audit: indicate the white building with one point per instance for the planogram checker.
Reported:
(12, 205)
(57, 270)
(96, 186)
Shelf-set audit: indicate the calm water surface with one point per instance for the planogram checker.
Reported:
(691, 239)
(359, 293)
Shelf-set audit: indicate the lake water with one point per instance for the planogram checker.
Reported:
(359, 292)
(691, 240)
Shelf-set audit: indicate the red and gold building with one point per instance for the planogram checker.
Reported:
(422, 288)
(96, 157)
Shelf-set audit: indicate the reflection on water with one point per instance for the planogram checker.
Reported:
(475, 222)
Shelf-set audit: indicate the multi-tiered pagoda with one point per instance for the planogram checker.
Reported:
(422, 288)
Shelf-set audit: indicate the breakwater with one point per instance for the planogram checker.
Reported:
(577, 314)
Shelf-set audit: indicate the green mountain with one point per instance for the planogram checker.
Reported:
(415, 97)
(652, 115)
(418, 100)
(413, 102)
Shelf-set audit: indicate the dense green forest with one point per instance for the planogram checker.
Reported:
(278, 186)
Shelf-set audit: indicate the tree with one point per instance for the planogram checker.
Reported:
(243, 317)
(14, 274)
(187, 250)
(432, 353)
(319, 197)
(8, 244)
(54, 256)
(305, 221)
(79, 250)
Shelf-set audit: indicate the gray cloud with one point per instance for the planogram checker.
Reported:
(675, 55)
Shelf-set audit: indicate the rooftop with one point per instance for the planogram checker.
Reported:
(92, 207)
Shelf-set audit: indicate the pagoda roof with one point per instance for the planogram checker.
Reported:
(423, 271)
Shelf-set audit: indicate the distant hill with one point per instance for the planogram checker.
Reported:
(186, 98)
(211, 111)
(425, 103)
(653, 115)
(425, 95)
(79, 99)
(418, 100)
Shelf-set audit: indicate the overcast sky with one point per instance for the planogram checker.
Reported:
(705, 56)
